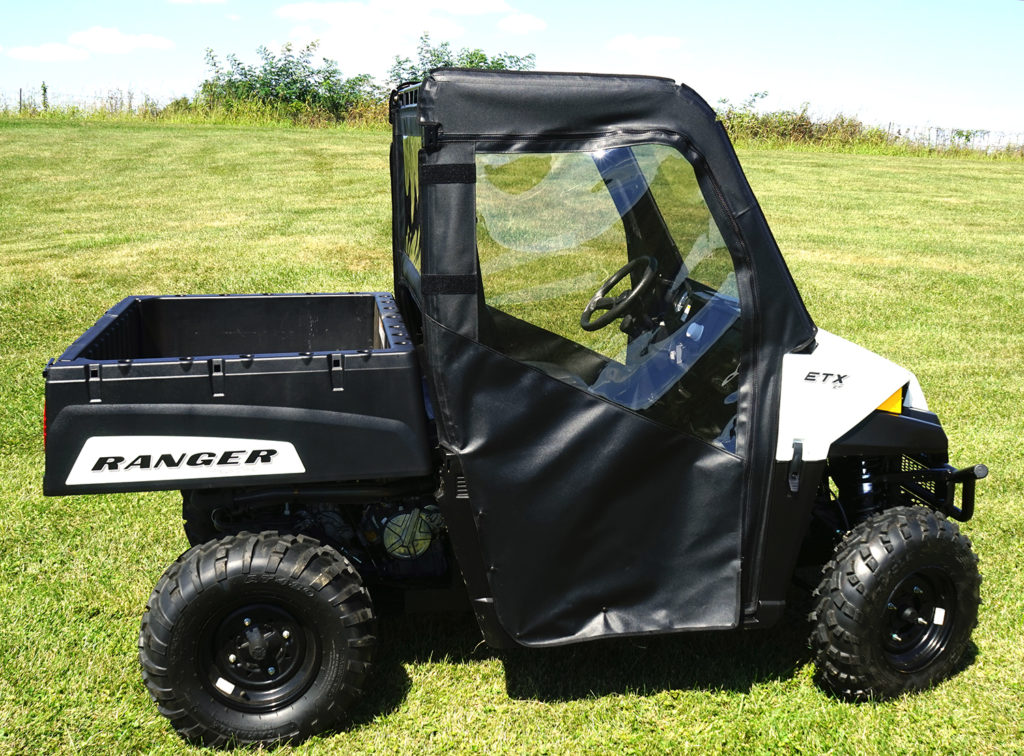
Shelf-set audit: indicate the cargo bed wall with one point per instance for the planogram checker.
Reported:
(152, 327)
(139, 403)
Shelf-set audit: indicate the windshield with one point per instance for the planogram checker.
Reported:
(553, 228)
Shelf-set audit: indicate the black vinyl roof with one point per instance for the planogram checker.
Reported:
(499, 103)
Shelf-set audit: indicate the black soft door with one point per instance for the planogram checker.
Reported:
(595, 407)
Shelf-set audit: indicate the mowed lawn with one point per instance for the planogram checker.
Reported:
(919, 259)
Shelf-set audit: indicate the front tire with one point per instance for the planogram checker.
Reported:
(256, 639)
(896, 605)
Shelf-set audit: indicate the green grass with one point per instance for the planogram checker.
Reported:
(918, 259)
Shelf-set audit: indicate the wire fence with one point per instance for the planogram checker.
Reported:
(939, 137)
(114, 101)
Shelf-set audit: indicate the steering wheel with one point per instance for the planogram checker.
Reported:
(620, 305)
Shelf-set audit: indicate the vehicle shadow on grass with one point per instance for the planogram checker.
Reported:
(414, 639)
(734, 661)
(704, 660)
(731, 661)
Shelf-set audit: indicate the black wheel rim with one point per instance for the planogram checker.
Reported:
(919, 618)
(259, 657)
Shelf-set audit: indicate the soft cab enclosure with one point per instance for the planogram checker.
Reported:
(618, 475)
(205, 391)
(610, 332)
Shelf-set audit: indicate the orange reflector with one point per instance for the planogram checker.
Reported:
(893, 404)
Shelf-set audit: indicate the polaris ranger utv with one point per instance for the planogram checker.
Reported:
(595, 406)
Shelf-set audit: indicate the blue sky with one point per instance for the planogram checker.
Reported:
(912, 62)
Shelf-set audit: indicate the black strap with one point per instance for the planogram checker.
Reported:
(448, 173)
(436, 283)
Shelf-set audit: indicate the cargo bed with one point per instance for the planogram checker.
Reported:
(209, 391)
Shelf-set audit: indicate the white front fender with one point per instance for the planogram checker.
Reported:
(827, 392)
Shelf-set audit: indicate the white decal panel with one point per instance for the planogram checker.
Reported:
(827, 392)
(146, 459)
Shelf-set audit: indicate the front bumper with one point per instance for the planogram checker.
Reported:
(935, 487)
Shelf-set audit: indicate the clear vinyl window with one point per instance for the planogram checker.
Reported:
(408, 215)
(554, 228)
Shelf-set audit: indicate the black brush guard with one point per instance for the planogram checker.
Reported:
(935, 487)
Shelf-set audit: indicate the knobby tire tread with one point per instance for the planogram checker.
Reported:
(298, 559)
(841, 637)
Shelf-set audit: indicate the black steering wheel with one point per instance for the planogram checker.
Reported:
(620, 305)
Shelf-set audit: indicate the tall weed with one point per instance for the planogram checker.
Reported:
(798, 129)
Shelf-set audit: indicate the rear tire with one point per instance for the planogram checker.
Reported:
(256, 639)
(896, 606)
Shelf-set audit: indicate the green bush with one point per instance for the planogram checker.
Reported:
(290, 85)
(430, 56)
(796, 127)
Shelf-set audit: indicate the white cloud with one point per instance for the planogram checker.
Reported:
(299, 36)
(364, 35)
(50, 52)
(102, 39)
(469, 7)
(652, 55)
(361, 22)
(196, 2)
(396, 11)
(630, 43)
(232, 17)
(97, 39)
(522, 23)
(351, 31)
